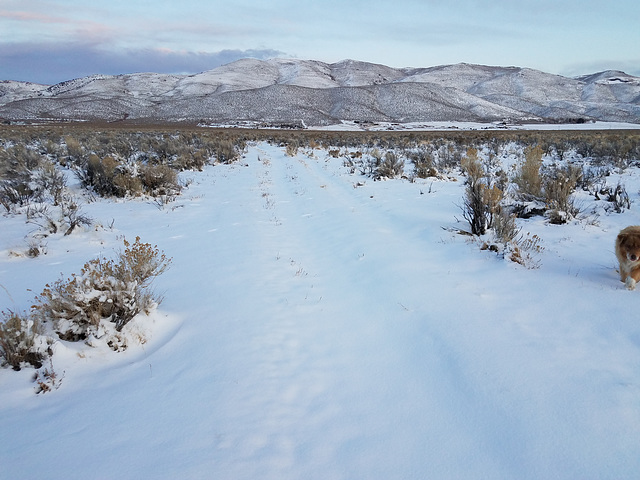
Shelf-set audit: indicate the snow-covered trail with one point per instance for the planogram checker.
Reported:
(327, 329)
(331, 344)
(350, 306)
(320, 331)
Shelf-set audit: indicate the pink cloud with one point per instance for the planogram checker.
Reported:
(82, 30)
(32, 17)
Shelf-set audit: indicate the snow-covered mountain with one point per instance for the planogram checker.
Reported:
(317, 93)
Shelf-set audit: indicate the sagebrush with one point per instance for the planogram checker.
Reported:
(112, 291)
(528, 177)
(21, 340)
(482, 200)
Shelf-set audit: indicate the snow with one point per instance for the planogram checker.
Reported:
(443, 126)
(318, 324)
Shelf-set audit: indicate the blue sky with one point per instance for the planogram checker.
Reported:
(48, 41)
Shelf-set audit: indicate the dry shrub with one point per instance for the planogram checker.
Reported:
(481, 205)
(66, 217)
(105, 291)
(20, 341)
(128, 184)
(471, 166)
(292, 148)
(18, 160)
(71, 215)
(50, 180)
(559, 184)
(482, 201)
(449, 156)
(492, 197)
(528, 178)
(14, 193)
(390, 167)
(99, 174)
(46, 379)
(160, 180)
(523, 250)
(109, 177)
(74, 149)
(41, 183)
(191, 160)
(17, 165)
(423, 164)
(225, 150)
(35, 247)
(370, 166)
(617, 197)
(504, 227)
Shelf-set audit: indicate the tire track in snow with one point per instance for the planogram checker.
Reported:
(328, 351)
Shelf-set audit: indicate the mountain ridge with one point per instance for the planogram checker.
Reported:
(317, 93)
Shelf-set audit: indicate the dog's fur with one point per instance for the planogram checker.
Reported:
(628, 253)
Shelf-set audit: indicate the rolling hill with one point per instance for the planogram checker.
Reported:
(307, 92)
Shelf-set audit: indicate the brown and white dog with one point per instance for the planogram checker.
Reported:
(628, 253)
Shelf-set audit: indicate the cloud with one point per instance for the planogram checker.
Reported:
(54, 63)
(24, 16)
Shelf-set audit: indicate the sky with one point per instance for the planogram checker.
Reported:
(49, 41)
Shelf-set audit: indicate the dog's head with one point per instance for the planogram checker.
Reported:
(630, 246)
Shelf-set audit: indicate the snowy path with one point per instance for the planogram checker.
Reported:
(328, 351)
(328, 330)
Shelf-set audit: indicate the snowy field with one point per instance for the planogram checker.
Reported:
(353, 126)
(319, 325)
(444, 126)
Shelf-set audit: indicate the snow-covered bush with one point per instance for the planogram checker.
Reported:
(558, 186)
(391, 166)
(160, 180)
(100, 174)
(65, 217)
(448, 154)
(50, 181)
(524, 250)
(105, 291)
(21, 341)
(15, 192)
(292, 148)
(370, 165)
(127, 179)
(505, 229)
(191, 160)
(423, 163)
(226, 151)
(617, 197)
(17, 160)
(109, 176)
